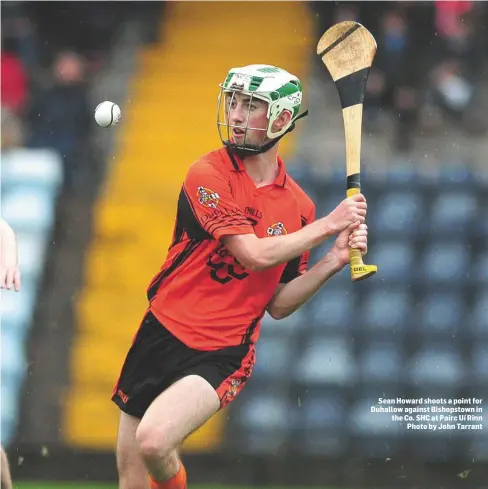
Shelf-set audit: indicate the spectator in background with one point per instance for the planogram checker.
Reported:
(60, 114)
(11, 130)
(391, 84)
(14, 79)
(458, 56)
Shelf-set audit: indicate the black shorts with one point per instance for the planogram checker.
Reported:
(157, 359)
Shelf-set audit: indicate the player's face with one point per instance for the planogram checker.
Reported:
(246, 112)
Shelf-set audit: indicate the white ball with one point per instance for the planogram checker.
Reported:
(107, 114)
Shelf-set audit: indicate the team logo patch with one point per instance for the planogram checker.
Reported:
(233, 387)
(207, 197)
(277, 229)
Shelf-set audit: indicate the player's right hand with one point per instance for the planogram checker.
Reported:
(350, 211)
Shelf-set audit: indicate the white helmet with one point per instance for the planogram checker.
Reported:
(280, 89)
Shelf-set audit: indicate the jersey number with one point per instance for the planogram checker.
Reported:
(225, 267)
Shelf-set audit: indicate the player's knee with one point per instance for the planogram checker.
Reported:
(153, 443)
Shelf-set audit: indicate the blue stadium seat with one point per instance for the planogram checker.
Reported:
(265, 412)
(478, 449)
(274, 355)
(437, 364)
(264, 420)
(479, 364)
(9, 409)
(456, 174)
(42, 167)
(386, 310)
(13, 355)
(441, 313)
(328, 202)
(446, 263)
(28, 208)
(452, 212)
(479, 271)
(397, 213)
(332, 309)
(365, 423)
(33, 250)
(382, 362)
(327, 362)
(286, 326)
(322, 419)
(16, 309)
(395, 258)
(479, 316)
(402, 175)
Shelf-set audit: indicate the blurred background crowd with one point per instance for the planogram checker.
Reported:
(83, 199)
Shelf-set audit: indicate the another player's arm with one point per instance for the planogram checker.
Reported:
(9, 263)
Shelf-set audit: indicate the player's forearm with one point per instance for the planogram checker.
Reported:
(275, 250)
(300, 290)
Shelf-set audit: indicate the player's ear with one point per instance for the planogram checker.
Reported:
(283, 119)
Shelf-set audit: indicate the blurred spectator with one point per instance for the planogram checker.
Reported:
(60, 114)
(391, 82)
(458, 56)
(11, 130)
(14, 78)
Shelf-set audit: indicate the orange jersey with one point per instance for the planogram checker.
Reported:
(202, 294)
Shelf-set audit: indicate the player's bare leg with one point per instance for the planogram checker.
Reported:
(174, 414)
(5, 470)
(131, 468)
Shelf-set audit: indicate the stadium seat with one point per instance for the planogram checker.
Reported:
(396, 258)
(441, 313)
(273, 356)
(386, 310)
(452, 213)
(381, 362)
(16, 309)
(28, 208)
(479, 270)
(445, 263)
(479, 316)
(402, 175)
(322, 431)
(326, 361)
(9, 409)
(478, 449)
(397, 214)
(33, 250)
(479, 357)
(264, 420)
(42, 167)
(12, 355)
(436, 364)
(331, 309)
(365, 423)
(286, 326)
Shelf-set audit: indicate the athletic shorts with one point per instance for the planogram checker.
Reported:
(157, 359)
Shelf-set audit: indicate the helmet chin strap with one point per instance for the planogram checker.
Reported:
(248, 150)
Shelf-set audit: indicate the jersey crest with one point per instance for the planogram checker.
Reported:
(277, 229)
(207, 197)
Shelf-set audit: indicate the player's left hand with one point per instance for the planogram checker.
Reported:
(355, 236)
(10, 277)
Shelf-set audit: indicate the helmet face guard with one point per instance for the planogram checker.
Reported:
(225, 128)
(278, 88)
